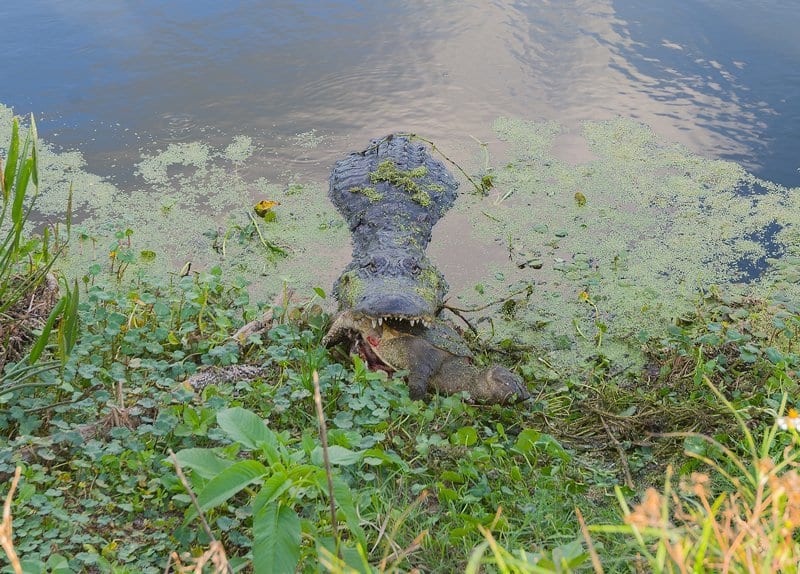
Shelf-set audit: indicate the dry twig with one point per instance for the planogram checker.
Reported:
(6, 540)
(323, 432)
(215, 552)
(598, 567)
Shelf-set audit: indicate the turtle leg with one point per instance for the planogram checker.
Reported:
(418, 378)
(340, 330)
(427, 361)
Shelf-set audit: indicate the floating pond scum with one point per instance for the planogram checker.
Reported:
(615, 248)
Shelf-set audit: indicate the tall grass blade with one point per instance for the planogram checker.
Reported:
(34, 153)
(69, 212)
(41, 341)
(71, 320)
(19, 193)
(11, 161)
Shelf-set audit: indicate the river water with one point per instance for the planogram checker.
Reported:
(115, 78)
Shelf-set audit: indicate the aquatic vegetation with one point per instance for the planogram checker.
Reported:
(240, 149)
(388, 172)
(309, 139)
(192, 204)
(644, 229)
(371, 193)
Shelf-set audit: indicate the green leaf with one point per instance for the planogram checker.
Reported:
(465, 436)
(774, 355)
(227, 483)
(34, 154)
(445, 494)
(338, 455)
(11, 161)
(41, 341)
(273, 487)
(344, 502)
(19, 191)
(58, 564)
(68, 329)
(203, 461)
(276, 539)
(319, 292)
(530, 440)
(245, 427)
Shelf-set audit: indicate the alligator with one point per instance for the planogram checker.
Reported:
(390, 295)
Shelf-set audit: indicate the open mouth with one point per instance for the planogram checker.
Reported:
(399, 321)
(370, 357)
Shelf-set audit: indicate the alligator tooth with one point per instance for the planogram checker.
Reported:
(374, 324)
(380, 320)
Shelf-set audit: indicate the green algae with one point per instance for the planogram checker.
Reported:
(60, 171)
(351, 288)
(643, 230)
(388, 172)
(239, 150)
(192, 203)
(309, 139)
(370, 192)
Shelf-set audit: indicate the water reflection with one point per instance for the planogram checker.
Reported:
(718, 77)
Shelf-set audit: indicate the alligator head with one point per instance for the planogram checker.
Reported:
(392, 284)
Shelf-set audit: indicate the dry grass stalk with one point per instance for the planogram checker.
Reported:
(739, 531)
(596, 564)
(6, 539)
(323, 433)
(215, 552)
(195, 564)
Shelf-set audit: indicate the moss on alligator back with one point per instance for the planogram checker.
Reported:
(388, 172)
(370, 192)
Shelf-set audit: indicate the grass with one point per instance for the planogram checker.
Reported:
(572, 482)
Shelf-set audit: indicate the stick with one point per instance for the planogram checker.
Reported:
(527, 289)
(6, 540)
(323, 433)
(621, 452)
(200, 513)
(457, 313)
(598, 567)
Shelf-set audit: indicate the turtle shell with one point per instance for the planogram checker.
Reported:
(443, 335)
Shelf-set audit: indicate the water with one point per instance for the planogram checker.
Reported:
(116, 78)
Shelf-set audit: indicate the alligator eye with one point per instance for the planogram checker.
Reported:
(416, 270)
(371, 267)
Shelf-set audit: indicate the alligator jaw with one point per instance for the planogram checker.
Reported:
(412, 321)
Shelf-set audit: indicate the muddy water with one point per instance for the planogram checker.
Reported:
(309, 81)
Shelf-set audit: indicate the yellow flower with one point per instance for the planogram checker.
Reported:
(262, 207)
